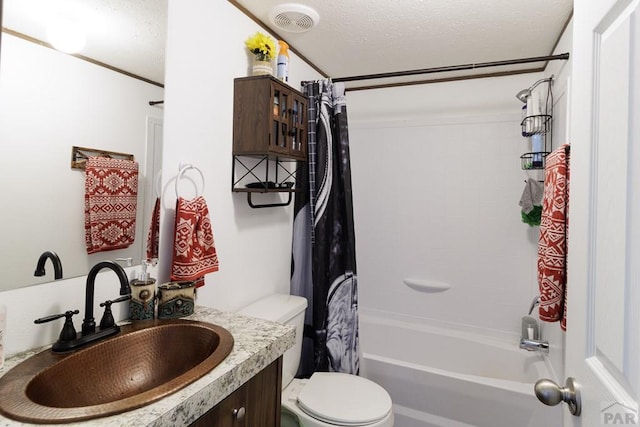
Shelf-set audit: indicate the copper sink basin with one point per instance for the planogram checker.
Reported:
(144, 363)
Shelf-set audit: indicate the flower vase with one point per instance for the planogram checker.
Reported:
(261, 66)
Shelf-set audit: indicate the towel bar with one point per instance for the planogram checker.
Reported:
(79, 155)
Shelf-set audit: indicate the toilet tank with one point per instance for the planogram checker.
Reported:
(288, 309)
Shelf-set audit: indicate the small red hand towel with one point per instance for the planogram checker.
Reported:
(153, 238)
(110, 203)
(194, 251)
(552, 244)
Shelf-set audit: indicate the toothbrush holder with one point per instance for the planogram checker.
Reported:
(143, 299)
(176, 299)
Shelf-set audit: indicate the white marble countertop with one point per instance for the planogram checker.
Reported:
(257, 343)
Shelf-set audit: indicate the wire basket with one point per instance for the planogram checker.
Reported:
(539, 124)
(533, 160)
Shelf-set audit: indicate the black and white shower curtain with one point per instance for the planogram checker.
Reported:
(323, 254)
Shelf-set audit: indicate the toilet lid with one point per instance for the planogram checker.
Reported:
(344, 399)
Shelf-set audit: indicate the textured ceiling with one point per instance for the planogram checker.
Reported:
(353, 37)
(364, 37)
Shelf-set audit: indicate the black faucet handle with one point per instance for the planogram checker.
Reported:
(107, 320)
(67, 314)
(68, 332)
(108, 303)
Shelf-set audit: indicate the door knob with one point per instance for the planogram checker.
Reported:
(551, 394)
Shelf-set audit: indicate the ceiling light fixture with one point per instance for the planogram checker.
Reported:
(294, 18)
(66, 35)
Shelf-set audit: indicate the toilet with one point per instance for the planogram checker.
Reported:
(327, 399)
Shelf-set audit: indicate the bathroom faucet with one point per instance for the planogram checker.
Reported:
(69, 339)
(534, 345)
(530, 332)
(55, 260)
(89, 323)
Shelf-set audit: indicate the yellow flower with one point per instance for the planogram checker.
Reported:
(261, 45)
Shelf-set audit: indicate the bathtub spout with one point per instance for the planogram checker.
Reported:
(534, 345)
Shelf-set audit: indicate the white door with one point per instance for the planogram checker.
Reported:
(603, 324)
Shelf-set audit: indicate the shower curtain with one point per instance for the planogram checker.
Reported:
(323, 267)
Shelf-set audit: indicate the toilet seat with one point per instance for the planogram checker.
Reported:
(344, 399)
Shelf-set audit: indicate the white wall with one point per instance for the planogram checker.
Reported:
(253, 245)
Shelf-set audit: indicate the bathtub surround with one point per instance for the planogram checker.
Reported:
(435, 199)
(333, 310)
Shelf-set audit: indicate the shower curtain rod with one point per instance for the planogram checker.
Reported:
(562, 56)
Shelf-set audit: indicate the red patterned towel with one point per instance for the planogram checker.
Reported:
(194, 251)
(153, 238)
(110, 203)
(554, 232)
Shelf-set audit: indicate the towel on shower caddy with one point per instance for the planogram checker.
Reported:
(531, 202)
(552, 244)
(194, 251)
(110, 203)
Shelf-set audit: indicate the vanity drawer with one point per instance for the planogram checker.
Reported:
(255, 404)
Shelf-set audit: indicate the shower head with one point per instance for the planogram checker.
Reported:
(523, 95)
(526, 93)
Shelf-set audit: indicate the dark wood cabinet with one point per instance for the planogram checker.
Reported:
(269, 137)
(269, 118)
(255, 404)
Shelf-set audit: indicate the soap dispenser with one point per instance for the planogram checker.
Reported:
(143, 293)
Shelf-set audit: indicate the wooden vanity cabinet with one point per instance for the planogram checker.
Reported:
(259, 397)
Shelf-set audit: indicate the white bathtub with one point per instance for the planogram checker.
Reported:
(441, 377)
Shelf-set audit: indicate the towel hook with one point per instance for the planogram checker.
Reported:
(183, 169)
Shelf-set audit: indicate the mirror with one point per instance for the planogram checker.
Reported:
(49, 102)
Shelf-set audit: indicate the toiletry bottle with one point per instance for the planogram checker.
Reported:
(537, 149)
(282, 70)
(3, 325)
(143, 293)
(528, 125)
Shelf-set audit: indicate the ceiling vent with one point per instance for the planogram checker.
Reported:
(294, 18)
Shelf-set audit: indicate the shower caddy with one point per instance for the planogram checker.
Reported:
(538, 126)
